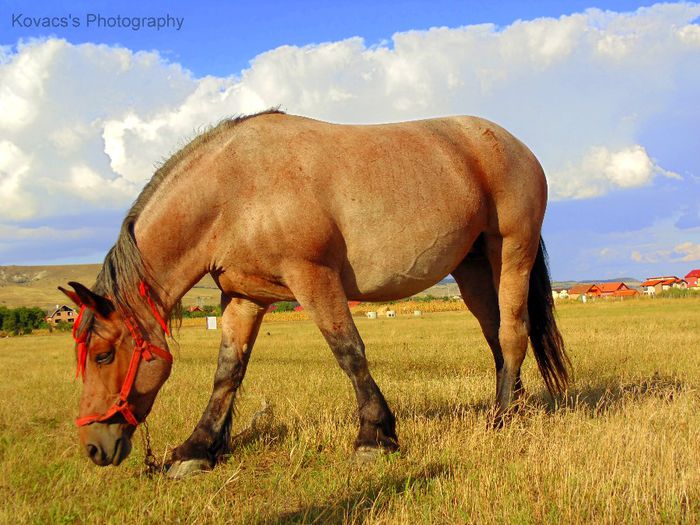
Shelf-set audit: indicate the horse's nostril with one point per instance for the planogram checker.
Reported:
(93, 451)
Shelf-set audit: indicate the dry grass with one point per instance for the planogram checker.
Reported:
(623, 447)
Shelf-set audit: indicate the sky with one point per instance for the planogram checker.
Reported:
(605, 93)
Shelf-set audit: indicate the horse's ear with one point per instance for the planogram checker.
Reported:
(101, 306)
(71, 295)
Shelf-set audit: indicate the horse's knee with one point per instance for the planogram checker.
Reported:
(512, 335)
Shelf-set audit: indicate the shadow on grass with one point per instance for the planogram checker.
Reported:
(603, 397)
(272, 434)
(356, 506)
(596, 398)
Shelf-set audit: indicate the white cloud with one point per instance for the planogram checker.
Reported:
(83, 125)
(660, 244)
(55, 99)
(14, 170)
(689, 251)
(601, 170)
(42, 233)
(654, 256)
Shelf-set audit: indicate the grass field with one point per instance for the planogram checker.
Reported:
(623, 447)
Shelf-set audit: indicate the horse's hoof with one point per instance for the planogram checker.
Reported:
(187, 468)
(365, 454)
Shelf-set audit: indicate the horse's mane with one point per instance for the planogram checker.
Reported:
(124, 268)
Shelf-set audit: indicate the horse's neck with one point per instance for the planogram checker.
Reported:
(172, 242)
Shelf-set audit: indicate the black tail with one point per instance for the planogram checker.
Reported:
(547, 342)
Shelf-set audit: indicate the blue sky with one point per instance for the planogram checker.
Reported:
(605, 93)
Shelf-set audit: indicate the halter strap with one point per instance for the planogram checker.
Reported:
(145, 290)
(142, 349)
(82, 344)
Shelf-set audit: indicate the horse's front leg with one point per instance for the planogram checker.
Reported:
(320, 290)
(240, 322)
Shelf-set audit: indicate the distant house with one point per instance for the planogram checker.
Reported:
(629, 292)
(616, 289)
(353, 304)
(654, 285)
(560, 293)
(62, 314)
(589, 290)
(693, 278)
(192, 309)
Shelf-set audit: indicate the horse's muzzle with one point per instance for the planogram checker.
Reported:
(105, 449)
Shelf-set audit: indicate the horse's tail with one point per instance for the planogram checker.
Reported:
(547, 342)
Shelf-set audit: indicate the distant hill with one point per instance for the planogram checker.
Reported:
(37, 285)
(625, 280)
(632, 282)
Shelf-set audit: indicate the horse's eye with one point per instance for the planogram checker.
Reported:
(104, 358)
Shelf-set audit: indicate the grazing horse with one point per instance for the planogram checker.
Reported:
(280, 207)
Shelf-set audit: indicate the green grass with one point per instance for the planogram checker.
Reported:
(623, 447)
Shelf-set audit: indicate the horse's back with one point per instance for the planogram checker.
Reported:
(404, 201)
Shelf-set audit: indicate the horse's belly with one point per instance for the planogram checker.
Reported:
(398, 266)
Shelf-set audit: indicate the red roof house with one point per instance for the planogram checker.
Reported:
(617, 289)
(589, 290)
(607, 289)
(629, 292)
(654, 285)
(692, 278)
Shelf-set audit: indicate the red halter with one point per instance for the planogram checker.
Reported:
(142, 349)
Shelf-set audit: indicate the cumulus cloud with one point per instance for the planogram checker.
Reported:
(654, 256)
(689, 251)
(601, 170)
(55, 100)
(82, 126)
(14, 171)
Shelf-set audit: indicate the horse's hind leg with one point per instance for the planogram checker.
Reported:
(478, 284)
(512, 258)
(320, 292)
(240, 322)
(475, 281)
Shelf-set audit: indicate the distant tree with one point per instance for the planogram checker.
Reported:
(62, 326)
(9, 323)
(20, 321)
(286, 306)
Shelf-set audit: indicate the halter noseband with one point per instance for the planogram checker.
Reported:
(142, 349)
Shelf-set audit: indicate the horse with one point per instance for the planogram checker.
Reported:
(282, 207)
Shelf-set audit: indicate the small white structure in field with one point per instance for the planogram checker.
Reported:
(211, 323)
(417, 313)
(390, 313)
(371, 315)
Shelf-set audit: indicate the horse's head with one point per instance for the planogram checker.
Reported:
(122, 373)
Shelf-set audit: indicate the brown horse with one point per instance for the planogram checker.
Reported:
(279, 207)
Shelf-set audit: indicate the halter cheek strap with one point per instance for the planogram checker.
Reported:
(142, 350)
